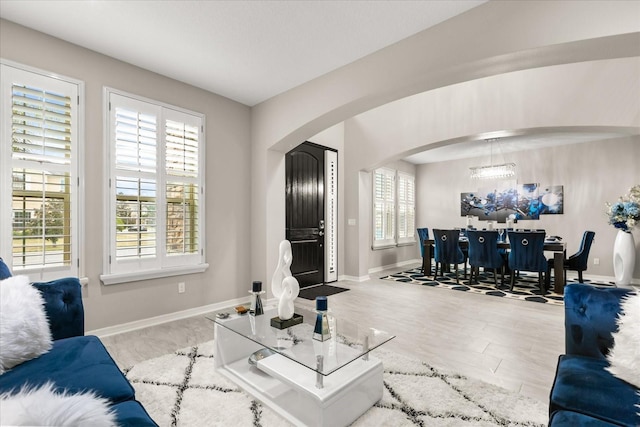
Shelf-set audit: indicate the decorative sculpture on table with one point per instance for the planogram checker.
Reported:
(285, 288)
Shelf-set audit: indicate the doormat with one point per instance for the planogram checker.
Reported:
(320, 291)
(526, 287)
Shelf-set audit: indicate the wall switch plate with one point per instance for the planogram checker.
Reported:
(596, 261)
(181, 288)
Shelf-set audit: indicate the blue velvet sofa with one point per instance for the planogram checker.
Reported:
(584, 393)
(76, 363)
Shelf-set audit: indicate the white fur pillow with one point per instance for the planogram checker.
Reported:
(24, 329)
(624, 357)
(44, 407)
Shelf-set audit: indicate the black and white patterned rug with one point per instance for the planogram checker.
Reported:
(183, 389)
(526, 287)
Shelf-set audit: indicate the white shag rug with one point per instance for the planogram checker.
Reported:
(182, 389)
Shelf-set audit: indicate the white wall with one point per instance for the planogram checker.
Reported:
(228, 156)
(592, 173)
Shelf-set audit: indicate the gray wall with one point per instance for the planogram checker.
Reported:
(592, 173)
(228, 157)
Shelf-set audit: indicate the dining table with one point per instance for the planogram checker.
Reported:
(556, 246)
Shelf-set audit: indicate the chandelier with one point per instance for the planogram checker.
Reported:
(505, 170)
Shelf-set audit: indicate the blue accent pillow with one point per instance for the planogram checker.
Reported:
(5, 273)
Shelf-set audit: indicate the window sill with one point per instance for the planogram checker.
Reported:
(114, 279)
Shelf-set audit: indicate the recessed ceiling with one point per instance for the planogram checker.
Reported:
(248, 51)
(500, 146)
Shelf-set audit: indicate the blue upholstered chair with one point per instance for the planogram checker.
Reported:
(423, 235)
(447, 250)
(579, 261)
(483, 252)
(527, 254)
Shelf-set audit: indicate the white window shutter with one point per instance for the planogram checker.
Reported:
(40, 162)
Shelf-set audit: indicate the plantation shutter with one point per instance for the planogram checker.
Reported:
(43, 163)
(384, 208)
(181, 161)
(406, 208)
(155, 188)
(134, 129)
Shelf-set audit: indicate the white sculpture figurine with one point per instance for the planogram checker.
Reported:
(284, 286)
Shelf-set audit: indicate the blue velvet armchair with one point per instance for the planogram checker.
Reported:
(584, 393)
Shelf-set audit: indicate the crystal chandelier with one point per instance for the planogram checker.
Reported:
(505, 170)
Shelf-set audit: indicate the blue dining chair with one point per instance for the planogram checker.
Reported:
(447, 250)
(423, 235)
(483, 252)
(527, 254)
(578, 261)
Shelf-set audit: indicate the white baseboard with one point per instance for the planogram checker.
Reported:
(396, 265)
(634, 282)
(354, 278)
(170, 317)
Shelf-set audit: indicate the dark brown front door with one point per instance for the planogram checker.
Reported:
(305, 212)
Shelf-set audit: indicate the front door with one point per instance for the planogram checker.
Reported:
(305, 212)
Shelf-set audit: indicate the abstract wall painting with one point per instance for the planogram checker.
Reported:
(510, 201)
(552, 198)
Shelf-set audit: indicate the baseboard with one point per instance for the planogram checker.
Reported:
(354, 278)
(396, 265)
(170, 317)
(634, 282)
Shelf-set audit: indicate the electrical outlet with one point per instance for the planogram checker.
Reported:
(181, 288)
(596, 261)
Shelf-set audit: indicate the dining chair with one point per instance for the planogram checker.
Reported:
(527, 254)
(578, 261)
(423, 235)
(447, 251)
(483, 252)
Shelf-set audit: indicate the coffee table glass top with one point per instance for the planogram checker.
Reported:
(348, 342)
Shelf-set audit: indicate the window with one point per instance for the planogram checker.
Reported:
(156, 192)
(41, 150)
(393, 208)
(406, 208)
(384, 205)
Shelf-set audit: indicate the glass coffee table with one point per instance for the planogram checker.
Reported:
(308, 382)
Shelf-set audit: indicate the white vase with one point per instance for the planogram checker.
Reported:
(624, 258)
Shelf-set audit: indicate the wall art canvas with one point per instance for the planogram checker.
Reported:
(507, 200)
(552, 199)
(529, 204)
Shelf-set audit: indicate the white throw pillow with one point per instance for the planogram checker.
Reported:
(44, 407)
(24, 329)
(624, 357)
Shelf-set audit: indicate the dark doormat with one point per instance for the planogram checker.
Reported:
(320, 290)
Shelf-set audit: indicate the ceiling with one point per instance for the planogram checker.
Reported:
(248, 51)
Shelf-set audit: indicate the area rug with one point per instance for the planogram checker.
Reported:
(182, 389)
(526, 287)
(320, 290)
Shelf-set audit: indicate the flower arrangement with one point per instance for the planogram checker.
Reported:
(625, 213)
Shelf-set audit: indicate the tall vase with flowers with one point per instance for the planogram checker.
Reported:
(625, 215)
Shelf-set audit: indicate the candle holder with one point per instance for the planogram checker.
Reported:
(321, 332)
(256, 302)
